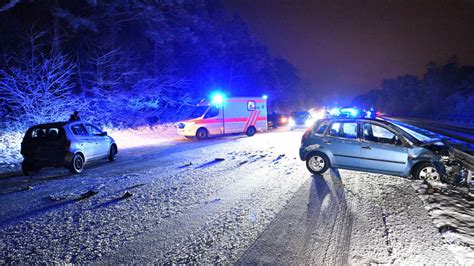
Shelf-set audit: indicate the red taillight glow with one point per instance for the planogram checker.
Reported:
(307, 133)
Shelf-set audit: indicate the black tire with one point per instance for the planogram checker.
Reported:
(251, 131)
(317, 163)
(202, 134)
(26, 167)
(77, 164)
(426, 171)
(112, 153)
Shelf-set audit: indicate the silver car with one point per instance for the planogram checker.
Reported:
(370, 145)
(65, 144)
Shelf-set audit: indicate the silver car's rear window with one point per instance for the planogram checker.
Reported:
(321, 126)
(46, 133)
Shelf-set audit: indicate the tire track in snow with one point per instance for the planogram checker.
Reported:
(313, 228)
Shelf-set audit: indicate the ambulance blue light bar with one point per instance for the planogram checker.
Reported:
(217, 98)
(265, 97)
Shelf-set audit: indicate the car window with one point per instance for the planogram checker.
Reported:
(93, 130)
(79, 130)
(344, 130)
(251, 105)
(213, 111)
(199, 111)
(51, 133)
(379, 134)
(320, 127)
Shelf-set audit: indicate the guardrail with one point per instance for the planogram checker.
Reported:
(468, 162)
(456, 119)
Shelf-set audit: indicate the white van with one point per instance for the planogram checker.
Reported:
(226, 116)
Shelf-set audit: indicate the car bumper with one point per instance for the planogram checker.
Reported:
(303, 153)
(187, 132)
(46, 161)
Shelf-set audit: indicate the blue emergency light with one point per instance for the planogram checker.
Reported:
(335, 111)
(217, 98)
(265, 97)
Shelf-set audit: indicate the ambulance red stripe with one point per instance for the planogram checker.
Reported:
(255, 118)
(233, 120)
(244, 101)
(249, 120)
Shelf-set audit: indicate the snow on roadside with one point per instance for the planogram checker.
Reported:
(452, 211)
(10, 157)
(144, 136)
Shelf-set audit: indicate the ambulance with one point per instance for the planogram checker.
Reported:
(221, 116)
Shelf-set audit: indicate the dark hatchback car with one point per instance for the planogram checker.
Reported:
(301, 119)
(370, 145)
(65, 144)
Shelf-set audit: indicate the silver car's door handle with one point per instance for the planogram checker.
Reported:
(366, 147)
(327, 141)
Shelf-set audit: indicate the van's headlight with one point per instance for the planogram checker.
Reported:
(291, 122)
(309, 122)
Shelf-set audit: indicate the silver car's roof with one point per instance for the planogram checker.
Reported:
(55, 124)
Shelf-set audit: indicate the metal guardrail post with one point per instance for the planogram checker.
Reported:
(469, 181)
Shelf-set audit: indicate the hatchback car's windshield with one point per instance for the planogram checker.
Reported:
(300, 115)
(416, 137)
(199, 111)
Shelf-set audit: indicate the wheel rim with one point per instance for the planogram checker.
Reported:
(78, 163)
(429, 173)
(316, 163)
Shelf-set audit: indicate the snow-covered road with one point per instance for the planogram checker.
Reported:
(231, 199)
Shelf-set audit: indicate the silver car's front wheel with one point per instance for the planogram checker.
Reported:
(317, 163)
(426, 171)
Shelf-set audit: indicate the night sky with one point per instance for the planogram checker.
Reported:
(345, 48)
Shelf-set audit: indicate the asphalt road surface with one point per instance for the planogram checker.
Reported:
(226, 200)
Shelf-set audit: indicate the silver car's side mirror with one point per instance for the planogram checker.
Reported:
(104, 133)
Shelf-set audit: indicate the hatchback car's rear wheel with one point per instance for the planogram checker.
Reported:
(427, 171)
(77, 164)
(317, 163)
(26, 167)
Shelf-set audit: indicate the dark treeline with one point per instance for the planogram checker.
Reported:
(130, 63)
(443, 91)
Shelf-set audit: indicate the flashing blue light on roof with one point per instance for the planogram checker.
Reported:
(353, 112)
(265, 97)
(335, 111)
(217, 98)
